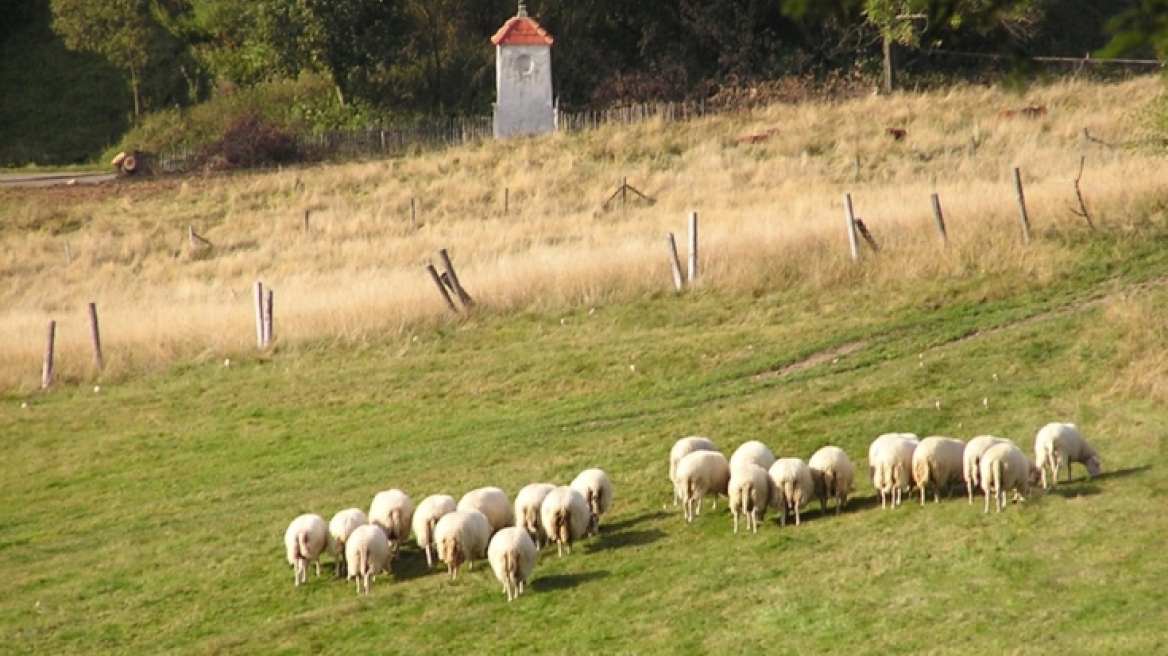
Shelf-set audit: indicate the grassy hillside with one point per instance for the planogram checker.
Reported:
(147, 516)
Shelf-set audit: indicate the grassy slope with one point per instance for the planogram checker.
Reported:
(149, 517)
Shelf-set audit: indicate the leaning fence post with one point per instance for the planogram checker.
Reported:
(693, 247)
(441, 288)
(96, 334)
(259, 313)
(851, 217)
(268, 321)
(47, 369)
(1022, 216)
(675, 262)
(939, 219)
(463, 297)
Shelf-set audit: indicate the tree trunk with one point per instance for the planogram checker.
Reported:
(889, 64)
(135, 84)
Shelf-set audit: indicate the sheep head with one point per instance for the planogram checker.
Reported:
(1094, 465)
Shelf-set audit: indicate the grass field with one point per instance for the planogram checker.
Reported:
(148, 517)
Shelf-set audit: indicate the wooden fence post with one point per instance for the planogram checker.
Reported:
(268, 320)
(96, 334)
(939, 219)
(675, 262)
(1022, 216)
(506, 200)
(413, 212)
(693, 247)
(441, 288)
(306, 213)
(259, 313)
(463, 297)
(851, 217)
(47, 369)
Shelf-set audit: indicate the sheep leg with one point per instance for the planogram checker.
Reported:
(797, 520)
(735, 521)
(987, 502)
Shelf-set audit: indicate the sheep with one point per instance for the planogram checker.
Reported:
(892, 466)
(752, 451)
(681, 449)
(393, 511)
(792, 486)
(1057, 445)
(565, 517)
(1005, 467)
(749, 494)
(491, 502)
(833, 474)
(340, 527)
(426, 516)
(596, 487)
(461, 537)
(971, 460)
(512, 556)
(367, 552)
(938, 461)
(305, 540)
(527, 504)
(887, 437)
(698, 474)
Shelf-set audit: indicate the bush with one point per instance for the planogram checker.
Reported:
(248, 142)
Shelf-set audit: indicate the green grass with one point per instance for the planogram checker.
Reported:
(148, 518)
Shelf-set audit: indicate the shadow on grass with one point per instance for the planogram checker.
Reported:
(1108, 475)
(1069, 492)
(565, 581)
(411, 564)
(633, 521)
(607, 541)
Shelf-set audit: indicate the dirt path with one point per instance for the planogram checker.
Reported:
(54, 179)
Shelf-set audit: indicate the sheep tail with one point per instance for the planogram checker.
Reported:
(302, 547)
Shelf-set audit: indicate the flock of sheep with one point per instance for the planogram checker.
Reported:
(483, 524)
(753, 479)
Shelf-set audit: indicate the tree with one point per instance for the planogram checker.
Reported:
(1142, 27)
(122, 31)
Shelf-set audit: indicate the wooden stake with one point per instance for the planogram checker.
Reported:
(939, 219)
(68, 254)
(259, 313)
(96, 335)
(441, 288)
(675, 262)
(506, 200)
(1022, 216)
(306, 213)
(268, 321)
(693, 248)
(851, 217)
(463, 297)
(413, 213)
(47, 369)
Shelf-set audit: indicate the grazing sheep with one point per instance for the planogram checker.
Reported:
(393, 511)
(527, 504)
(491, 502)
(340, 527)
(892, 467)
(368, 555)
(753, 452)
(749, 494)
(1057, 445)
(1005, 467)
(971, 460)
(792, 486)
(833, 474)
(512, 556)
(887, 437)
(698, 474)
(565, 517)
(461, 537)
(596, 487)
(938, 461)
(426, 516)
(681, 449)
(305, 540)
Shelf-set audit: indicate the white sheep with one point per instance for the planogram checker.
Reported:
(681, 449)
(938, 461)
(892, 467)
(596, 487)
(698, 474)
(393, 511)
(426, 517)
(971, 460)
(749, 494)
(367, 553)
(1004, 467)
(886, 437)
(1057, 445)
(792, 487)
(512, 555)
(305, 540)
(461, 537)
(834, 476)
(527, 504)
(753, 452)
(491, 502)
(565, 517)
(340, 527)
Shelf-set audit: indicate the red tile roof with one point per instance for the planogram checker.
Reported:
(521, 31)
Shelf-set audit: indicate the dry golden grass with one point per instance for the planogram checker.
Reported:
(770, 208)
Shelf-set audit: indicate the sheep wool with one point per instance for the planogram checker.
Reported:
(596, 487)
(393, 511)
(938, 461)
(971, 460)
(753, 452)
(367, 553)
(527, 504)
(491, 502)
(462, 537)
(834, 476)
(305, 540)
(565, 517)
(892, 468)
(1004, 467)
(792, 487)
(1058, 445)
(699, 474)
(749, 494)
(426, 516)
(341, 526)
(512, 556)
(681, 449)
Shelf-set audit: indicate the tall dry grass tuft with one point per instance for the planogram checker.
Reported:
(768, 187)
